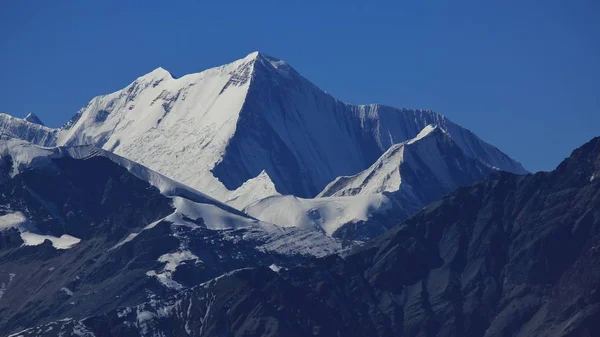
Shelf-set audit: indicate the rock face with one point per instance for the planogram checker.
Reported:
(83, 231)
(33, 118)
(507, 256)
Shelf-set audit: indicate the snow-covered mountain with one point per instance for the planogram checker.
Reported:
(83, 230)
(30, 129)
(430, 163)
(247, 132)
(254, 123)
(408, 176)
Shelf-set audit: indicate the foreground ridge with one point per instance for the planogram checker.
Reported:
(507, 256)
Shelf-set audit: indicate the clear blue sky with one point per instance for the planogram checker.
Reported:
(523, 75)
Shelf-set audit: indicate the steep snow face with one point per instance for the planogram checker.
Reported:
(422, 168)
(404, 179)
(33, 118)
(28, 233)
(383, 176)
(304, 138)
(30, 129)
(251, 191)
(221, 128)
(177, 126)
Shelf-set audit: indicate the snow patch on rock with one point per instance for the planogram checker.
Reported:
(65, 241)
(322, 214)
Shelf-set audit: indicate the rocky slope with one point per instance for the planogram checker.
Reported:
(507, 256)
(83, 231)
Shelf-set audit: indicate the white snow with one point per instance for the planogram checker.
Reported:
(28, 232)
(326, 214)
(23, 155)
(382, 176)
(67, 291)
(165, 279)
(423, 133)
(12, 220)
(385, 174)
(252, 190)
(27, 129)
(144, 317)
(65, 241)
(181, 127)
(188, 203)
(214, 217)
(172, 261)
(355, 198)
(275, 268)
(423, 153)
(80, 330)
(289, 240)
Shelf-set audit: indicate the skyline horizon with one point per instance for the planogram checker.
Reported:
(520, 76)
(177, 76)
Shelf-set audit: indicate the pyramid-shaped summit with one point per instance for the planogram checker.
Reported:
(33, 118)
(218, 129)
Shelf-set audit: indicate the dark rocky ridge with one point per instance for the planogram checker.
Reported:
(100, 202)
(507, 256)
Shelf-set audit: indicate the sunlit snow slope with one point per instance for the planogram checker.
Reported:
(430, 162)
(30, 129)
(256, 117)
(408, 176)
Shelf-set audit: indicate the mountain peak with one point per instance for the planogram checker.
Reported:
(254, 55)
(583, 165)
(159, 73)
(271, 62)
(426, 131)
(218, 128)
(258, 55)
(33, 118)
(424, 167)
